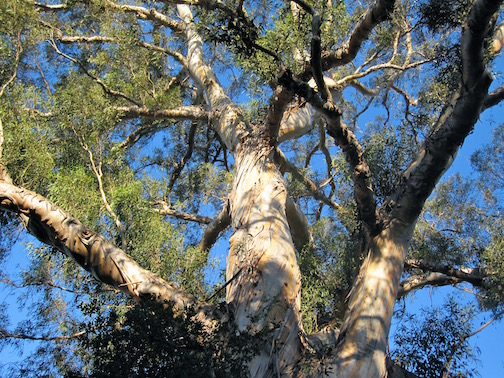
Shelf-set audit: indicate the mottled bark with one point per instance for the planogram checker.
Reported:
(263, 275)
(109, 264)
(362, 342)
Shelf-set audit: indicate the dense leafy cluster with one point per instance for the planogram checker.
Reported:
(434, 343)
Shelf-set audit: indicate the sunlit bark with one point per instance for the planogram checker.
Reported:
(265, 288)
(109, 264)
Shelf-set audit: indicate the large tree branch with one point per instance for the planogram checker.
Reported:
(439, 275)
(215, 227)
(109, 264)
(435, 157)
(316, 50)
(190, 112)
(377, 13)
(195, 113)
(275, 116)
(148, 14)
(493, 98)
(227, 118)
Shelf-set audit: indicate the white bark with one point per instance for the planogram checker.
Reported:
(265, 280)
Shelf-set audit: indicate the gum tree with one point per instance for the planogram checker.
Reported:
(131, 117)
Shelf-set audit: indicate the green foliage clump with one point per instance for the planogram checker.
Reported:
(440, 15)
(144, 341)
(435, 343)
(328, 271)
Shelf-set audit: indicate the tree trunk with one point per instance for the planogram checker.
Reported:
(265, 291)
(363, 339)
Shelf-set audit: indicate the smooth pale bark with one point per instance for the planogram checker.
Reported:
(109, 264)
(361, 349)
(363, 339)
(265, 282)
(266, 292)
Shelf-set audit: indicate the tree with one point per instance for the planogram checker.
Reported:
(129, 116)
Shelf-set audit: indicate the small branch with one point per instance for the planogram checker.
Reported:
(83, 39)
(167, 211)
(19, 50)
(103, 39)
(39, 113)
(382, 66)
(99, 174)
(287, 166)
(5, 280)
(174, 54)
(361, 88)
(7, 335)
(50, 7)
(177, 169)
(223, 286)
